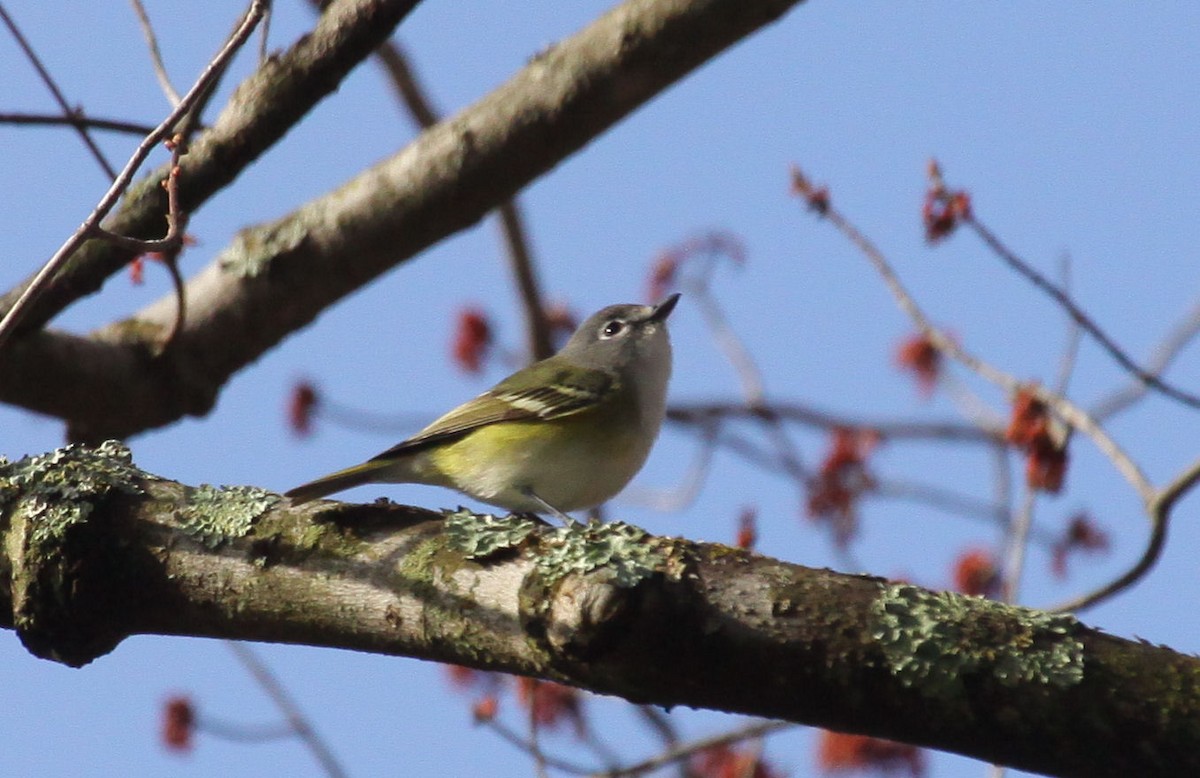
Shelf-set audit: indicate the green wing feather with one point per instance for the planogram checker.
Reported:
(554, 394)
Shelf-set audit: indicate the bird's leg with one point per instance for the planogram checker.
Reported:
(564, 518)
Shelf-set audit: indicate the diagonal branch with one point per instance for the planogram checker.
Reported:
(1149, 378)
(68, 112)
(264, 108)
(278, 277)
(43, 281)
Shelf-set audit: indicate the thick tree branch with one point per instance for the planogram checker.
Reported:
(278, 277)
(95, 550)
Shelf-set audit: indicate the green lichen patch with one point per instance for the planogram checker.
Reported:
(478, 536)
(214, 515)
(627, 552)
(58, 490)
(932, 639)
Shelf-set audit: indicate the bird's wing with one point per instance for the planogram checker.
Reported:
(567, 392)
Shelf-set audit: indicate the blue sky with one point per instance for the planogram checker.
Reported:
(1072, 125)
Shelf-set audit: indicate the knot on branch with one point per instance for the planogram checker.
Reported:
(61, 557)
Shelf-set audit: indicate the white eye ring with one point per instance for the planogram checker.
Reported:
(612, 329)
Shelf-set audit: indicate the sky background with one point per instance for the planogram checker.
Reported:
(1073, 126)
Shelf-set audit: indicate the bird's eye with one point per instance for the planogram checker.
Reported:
(613, 329)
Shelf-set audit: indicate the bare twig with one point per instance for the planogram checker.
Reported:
(702, 414)
(685, 750)
(160, 70)
(264, 34)
(1066, 410)
(1159, 508)
(198, 91)
(67, 110)
(1183, 333)
(242, 733)
(1060, 296)
(683, 493)
(512, 224)
(76, 119)
(1016, 546)
(530, 748)
(288, 707)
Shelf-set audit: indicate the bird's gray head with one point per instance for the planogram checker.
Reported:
(622, 336)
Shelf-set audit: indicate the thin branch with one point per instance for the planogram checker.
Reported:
(198, 91)
(76, 119)
(1016, 547)
(512, 224)
(701, 414)
(1182, 334)
(1060, 296)
(1159, 509)
(241, 733)
(1066, 410)
(59, 98)
(277, 277)
(288, 707)
(683, 493)
(160, 70)
(685, 750)
(263, 108)
(529, 747)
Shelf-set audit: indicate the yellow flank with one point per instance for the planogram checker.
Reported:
(574, 462)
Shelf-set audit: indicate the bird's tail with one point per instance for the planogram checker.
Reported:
(367, 472)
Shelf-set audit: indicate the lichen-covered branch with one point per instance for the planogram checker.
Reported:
(95, 550)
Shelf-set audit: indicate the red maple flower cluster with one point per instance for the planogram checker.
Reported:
(472, 339)
(976, 573)
(664, 273)
(843, 478)
(551, 704)
(747, 532)
(178, 723)
(1082, 535)
(1030, 429)
(301, 407)
(817, 197)
(725, 761)
(943, 209)
(922, 358)
(840, 752)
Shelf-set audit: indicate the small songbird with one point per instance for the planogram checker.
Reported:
(562, 434)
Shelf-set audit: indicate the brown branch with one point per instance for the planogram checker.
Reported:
(1148, 377)
(1159, 509)
(1182, 334)
(264, 107)
(704, 413)
(47, 275)
(300, 724)
(277, 277)
(48, 80)
(682, 751)
(1062, 407)
(76, 119)
(764, 637)
(512, 224)
(156, 60)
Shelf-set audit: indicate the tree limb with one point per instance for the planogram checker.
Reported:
(96, 550)
(278, 277)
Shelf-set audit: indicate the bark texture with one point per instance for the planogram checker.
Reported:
(95, 550)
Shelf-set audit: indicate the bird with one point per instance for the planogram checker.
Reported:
(562, 434)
